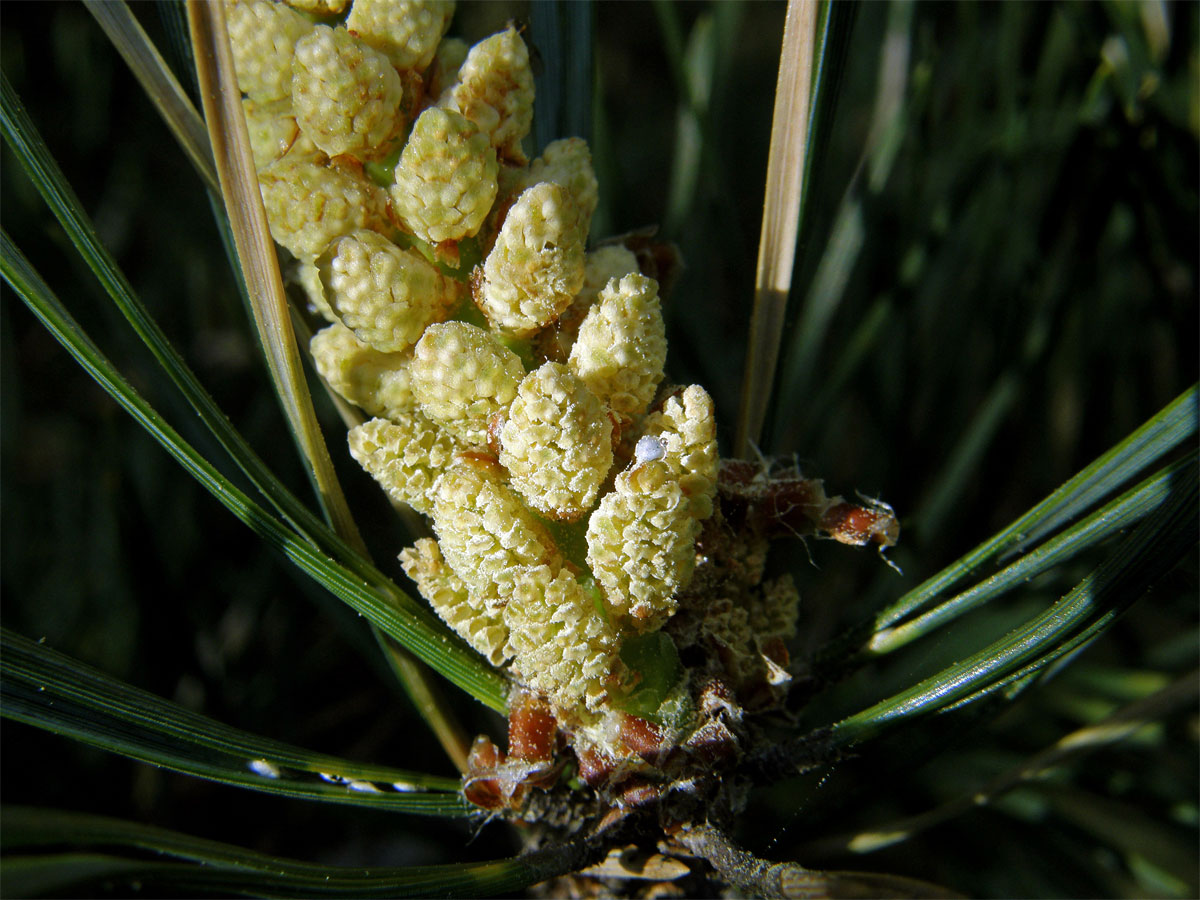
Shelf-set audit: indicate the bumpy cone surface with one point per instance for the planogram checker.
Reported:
(486, 533)
(562, 645)
(308, 204)
(536, 267)
(319, 7)
(406, 456)
(385, 295)
(568, 163)
(601, 266)
(346, 95)
(451, 600)
(556, 443)
(376, 382)
(462, 376)
(495, 91)
(445, 182)
(274, 132)
(451, 54)
(263, 35)
(622, 345)
(686, 430)
(406, 31)
(641, 543)
(775, 613)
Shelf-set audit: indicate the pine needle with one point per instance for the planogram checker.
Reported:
(256, 252)
(264, 285)
(160, 84)
(781, 217)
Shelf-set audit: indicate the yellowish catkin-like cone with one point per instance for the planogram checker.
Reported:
(556, 443)
(451, 54)
(536, 266)
(274, 132)
(385, 295)
(346, 96)
(641, 539)
(462, 376)
(376, 382)
(486, 533)
(774, 614)
(601, 266)
(511, 180)
(451, 600)
(263, 35)
(568, 163)
(622, 345)
(727, 624)
(562, 645)
(319, 7)
(308, 205)
(445, 181)
(495, 91)
(641, 543)
(686, 432)
(309, 278)
(407, 32)
(405, 455)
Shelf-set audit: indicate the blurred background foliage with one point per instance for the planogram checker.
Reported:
(997, 280)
